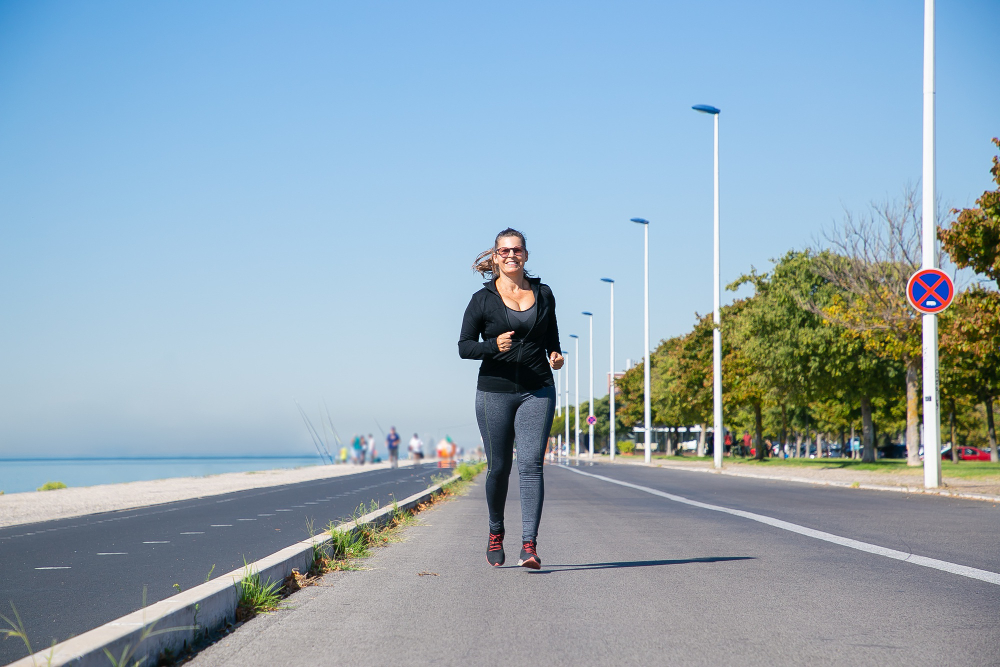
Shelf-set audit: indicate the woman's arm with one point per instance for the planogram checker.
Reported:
(469, 345)
(552, 331)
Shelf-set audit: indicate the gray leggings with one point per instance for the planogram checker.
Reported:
(524, 417)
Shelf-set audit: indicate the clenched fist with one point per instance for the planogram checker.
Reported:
(555, 360)
(503, 341)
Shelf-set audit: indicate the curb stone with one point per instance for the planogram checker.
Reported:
(203, 609)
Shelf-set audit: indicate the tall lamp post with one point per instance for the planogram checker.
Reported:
(590, 427)
(717, 439)
(576, 392)
(932, 414)
(646, 411)
(566, 399)
(611, 396)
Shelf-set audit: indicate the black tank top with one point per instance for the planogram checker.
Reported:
(521, 321)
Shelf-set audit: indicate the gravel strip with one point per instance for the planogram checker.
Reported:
(34, 506)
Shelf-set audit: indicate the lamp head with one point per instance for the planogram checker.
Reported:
(607, 280)
(704, 108)
(640, 221)
(573, 336)
(588, 314)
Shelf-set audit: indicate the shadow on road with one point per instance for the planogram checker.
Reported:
(638, 563)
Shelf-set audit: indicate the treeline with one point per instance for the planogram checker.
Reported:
(828, 346)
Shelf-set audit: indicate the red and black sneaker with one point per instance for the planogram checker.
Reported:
(529, 556)
(494, 550)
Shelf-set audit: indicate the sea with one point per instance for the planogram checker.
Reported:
(27, 474)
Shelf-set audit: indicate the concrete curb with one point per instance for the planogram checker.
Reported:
(819, 482)
(175, 623)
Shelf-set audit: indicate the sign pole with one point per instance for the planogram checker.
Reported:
(932, 415)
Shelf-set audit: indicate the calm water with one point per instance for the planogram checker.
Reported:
(18, 475)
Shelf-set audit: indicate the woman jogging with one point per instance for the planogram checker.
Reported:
(515, 316)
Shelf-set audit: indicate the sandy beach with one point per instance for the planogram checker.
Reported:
(34, 506)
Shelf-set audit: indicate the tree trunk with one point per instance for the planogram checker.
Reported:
(867, 431)
(758, 432)
(784, 429)
(798, 444)
(951, 426)
(913, 413)
(843, 442)
(991, 430)
(701, 439)
(819, 445)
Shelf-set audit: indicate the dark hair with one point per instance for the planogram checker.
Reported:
(484, 263)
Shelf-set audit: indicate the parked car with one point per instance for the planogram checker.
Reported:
(972, 454)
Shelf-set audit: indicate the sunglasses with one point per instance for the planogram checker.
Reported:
(516, 250)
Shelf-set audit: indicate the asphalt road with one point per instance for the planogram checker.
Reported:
(72, 575)
(632, 578)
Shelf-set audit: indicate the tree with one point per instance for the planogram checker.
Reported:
(874, 255)
(973, 241)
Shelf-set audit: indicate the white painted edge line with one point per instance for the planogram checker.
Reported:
(215, 601)
(943, 565)
(820, 482)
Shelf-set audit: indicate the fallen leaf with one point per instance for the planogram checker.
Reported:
(425, 573)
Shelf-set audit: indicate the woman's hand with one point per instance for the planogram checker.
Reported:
(503, 341)
(555, 360)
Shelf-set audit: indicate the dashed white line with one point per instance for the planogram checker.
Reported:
(934, 563)
(194, 532)
(309, 503)
(282, 510)
(221, 525)
(246, 519)
(157, 542)
(57, 567)
(265, 515)
(112, 553)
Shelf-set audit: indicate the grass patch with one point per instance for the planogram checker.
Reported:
(51, 486)
(256, 596)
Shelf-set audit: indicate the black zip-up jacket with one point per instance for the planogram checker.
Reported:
(525, 367)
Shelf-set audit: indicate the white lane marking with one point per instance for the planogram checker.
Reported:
(58, 567)
(943, 565)
(112, 553)
(246, 519)
(301, 507)
(221, 525)
(282, 510)
(309, 503)
(265, 515)
(194, 532)
(158, 542)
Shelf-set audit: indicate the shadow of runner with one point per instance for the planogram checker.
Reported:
(638, 563)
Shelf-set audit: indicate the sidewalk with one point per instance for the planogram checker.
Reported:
(34, 506)
(910, 480)
(626, 579)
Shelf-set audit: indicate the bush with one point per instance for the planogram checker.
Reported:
(51, 486)
(626, 447)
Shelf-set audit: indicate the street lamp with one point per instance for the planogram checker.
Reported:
(576, 392)
(566, 401)
(646, 412)
(717, 439)
(611, 397)
(590, 426)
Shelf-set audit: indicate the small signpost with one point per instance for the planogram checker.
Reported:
(591, 420)
(930, 291)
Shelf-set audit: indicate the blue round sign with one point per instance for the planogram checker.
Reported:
(930, 291)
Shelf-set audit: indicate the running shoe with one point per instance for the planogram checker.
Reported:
(529, 557)
(494, 550)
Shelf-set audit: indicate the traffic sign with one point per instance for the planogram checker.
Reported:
(591, 420)
(930, 291)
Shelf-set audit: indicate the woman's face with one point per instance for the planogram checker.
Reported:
(510, 255)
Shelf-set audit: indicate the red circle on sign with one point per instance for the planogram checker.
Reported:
(591, 420)
(930, 291)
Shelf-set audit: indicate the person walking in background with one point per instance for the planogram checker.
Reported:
(392, 444)
(362, 449)
(371, 448)
(357, 451)
(416, 448)
(510, 324)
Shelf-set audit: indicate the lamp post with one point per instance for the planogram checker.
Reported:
(590, 427)
(932, 413)
(646, 411)
(566, 401)
(717, 435)
(611, 397)
(576, 393)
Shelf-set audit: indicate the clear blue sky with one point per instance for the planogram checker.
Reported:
(209, 209)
